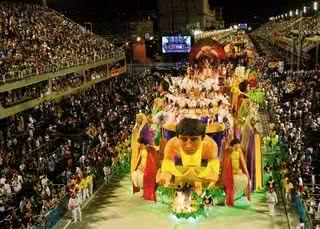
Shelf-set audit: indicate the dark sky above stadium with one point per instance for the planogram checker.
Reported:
(234, 10)
(243, 10)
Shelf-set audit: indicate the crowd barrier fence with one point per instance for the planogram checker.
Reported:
(54, 215)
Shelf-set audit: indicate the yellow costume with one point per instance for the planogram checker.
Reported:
(240, 179)
(250, 144)
(141, 120)
(143, 154)
(235, 159)
(137, 175)
(235, 92)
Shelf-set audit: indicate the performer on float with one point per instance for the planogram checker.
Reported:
(252, 78)
(235, 93)
(241, 108)
(144, 175)
(190, 148)
(158, 106)
(243, 102)
(159, 102)
(235, 175)
(250, 144)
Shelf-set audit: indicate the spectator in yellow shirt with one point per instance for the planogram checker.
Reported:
(90, 184)
(287, 188)
(84, 187)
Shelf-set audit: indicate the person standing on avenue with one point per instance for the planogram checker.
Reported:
(74, 206)
(272, 200)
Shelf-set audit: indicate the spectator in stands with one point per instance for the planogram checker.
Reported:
(38, 40)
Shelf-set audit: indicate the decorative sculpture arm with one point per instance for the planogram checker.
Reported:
(168, 166)
(211, 173)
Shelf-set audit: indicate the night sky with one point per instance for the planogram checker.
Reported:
(248, 10)
(234, 10)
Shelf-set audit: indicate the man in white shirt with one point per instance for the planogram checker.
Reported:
(301, 189)
(74, 206)
(272, 200)
(107, 173)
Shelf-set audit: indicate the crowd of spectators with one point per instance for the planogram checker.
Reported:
(293, 99)
(14, 97)
(274, 41)
(35, 39)
(267, 50)
(44, 151)
(59, 84)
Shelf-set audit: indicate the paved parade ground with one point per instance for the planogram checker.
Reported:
(114, 206)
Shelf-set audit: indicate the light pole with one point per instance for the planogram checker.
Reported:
(300, 40)
(315, 8)
(129, 52)
(293, 44)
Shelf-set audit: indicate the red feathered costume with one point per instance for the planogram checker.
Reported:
(227, 178)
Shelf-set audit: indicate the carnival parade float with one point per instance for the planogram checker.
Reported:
(200, 145)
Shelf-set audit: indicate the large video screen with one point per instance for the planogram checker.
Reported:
(176, 44)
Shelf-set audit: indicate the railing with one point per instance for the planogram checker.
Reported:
(54, 215)
(144, 67)
(222, 33)
(15, 75)
(280, 154)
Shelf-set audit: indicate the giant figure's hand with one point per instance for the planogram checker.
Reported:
(164, 178)
(168, 166)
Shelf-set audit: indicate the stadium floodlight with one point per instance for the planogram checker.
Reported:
(315, 5)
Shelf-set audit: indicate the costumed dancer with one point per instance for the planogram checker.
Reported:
(250, 144)
(158, 105)
(235, 175)
(145, 173)
(141, 126)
